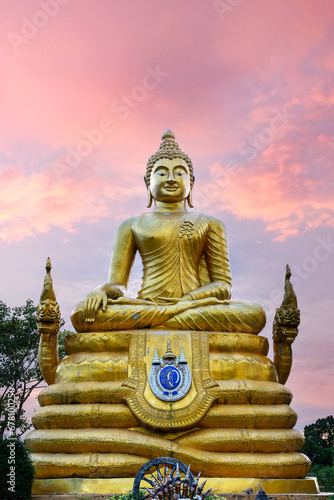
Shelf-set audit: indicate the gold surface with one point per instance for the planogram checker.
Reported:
(255, 392)
(285, 329)
(239, 357)
(250, 416)
(119, 415)
(93, 366)
(83, 416)
(83, 486)
(228, 392)
(48, 355)
(238, 342)
(84, 392)
(234, 366)
(150, 445)
(97, 342)
(262, 465)
(49, 465)
(243, 440)
(48, 322)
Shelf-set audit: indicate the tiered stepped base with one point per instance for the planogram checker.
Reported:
(90, 434)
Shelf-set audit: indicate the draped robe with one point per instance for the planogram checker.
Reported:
(186, 285)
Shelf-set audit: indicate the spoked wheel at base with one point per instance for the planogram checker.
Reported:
(163, 474)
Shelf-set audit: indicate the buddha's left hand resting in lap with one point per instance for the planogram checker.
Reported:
(186, 275)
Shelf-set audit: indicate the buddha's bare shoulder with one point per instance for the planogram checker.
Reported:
(125, 226)
(132, 222)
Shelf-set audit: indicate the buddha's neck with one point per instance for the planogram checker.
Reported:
(161, 206)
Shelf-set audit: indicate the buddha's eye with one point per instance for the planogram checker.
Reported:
(161, 173)
(180, 173)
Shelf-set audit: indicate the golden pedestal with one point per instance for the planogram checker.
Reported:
(100, 421)
(219, 485)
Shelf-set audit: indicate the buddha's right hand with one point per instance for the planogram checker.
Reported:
(98, 296)
(92, 304)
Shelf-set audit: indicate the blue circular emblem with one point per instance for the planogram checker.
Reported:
(169, 377)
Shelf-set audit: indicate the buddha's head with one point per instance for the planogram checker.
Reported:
(169, 172)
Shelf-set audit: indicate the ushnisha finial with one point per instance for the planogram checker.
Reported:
(169, 148)
(168, 134)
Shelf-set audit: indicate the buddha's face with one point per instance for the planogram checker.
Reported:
(170, 180)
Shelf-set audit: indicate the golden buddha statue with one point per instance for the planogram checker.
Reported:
(185, 263)
(178, 371)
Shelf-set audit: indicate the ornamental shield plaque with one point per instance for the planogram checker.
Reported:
(169, 372)
(170, 377)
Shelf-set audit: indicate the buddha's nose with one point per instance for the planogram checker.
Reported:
(171, 177)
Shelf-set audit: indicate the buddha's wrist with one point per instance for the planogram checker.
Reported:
(113, 290)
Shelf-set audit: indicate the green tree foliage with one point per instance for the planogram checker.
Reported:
(325, 476)
(319, 447)
(61, 347)
(19, 370)
(17, 472)
(319, 441)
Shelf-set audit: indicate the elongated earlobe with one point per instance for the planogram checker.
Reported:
(149, 194)
(189, 200)
(150, 198)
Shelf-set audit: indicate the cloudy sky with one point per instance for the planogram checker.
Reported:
(87, 88)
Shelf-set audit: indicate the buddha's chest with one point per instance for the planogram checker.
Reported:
(161, 230)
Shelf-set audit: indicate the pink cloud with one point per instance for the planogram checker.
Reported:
(289, 197)
(58, 96)
(33, 204)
